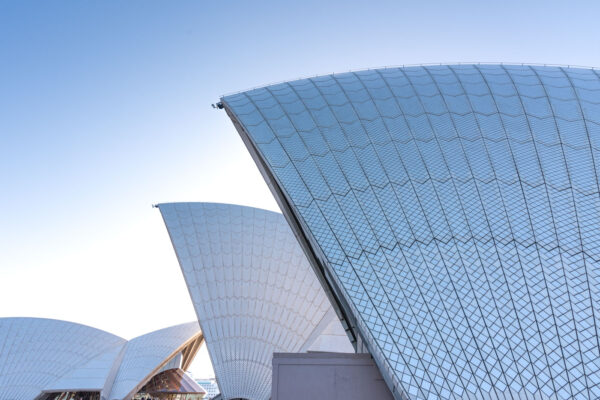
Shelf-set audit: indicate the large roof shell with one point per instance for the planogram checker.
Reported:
(253, 290)
(453, 212)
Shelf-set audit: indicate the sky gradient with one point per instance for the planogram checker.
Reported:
(105, 110)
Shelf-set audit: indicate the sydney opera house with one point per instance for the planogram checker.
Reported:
(439, 240)
(452, 212)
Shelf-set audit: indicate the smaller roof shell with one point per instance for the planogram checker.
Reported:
(253, 290)
(40, 355)
(36, 352)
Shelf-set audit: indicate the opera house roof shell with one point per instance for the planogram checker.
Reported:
(39, 356)
(452, 211)
(253, 290)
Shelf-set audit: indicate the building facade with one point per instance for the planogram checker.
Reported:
(210, 386)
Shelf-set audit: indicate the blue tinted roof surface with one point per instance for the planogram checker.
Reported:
(455, 211)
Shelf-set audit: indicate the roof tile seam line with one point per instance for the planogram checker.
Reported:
(351, 190)
(323, 177)
(447, 111)
(466, 93)
(595, 173)
(256, 339)
(394, 96)
(449, 227)
(490, 228)
(432, 179)
(409, 66)
(458, 137)
(476, 238)
(575, 207)
(544, 343)
(523, 191)
(493, 239)
(420, 250)
(524, 112)
(349, 225)
(492, 93)
(249, 360)
(428, 84)
(268, 318)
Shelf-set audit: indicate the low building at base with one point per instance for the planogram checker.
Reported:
(210, 386)
(331, 376)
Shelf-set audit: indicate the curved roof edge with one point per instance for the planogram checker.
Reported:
(37, 353)
(456, 63)
(273, 161)
(215, 203)
(40, 319)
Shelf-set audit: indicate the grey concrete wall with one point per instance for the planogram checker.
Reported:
(327, 376)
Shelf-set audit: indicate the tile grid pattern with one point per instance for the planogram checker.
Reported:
(38, 354)
(457, 207)
(252, 287)
(35, 352)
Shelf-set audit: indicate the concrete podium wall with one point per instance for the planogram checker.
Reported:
(327, 376)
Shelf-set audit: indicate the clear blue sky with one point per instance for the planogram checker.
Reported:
(105, 110)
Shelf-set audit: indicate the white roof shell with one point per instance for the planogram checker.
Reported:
(253, 290)
(36, 352)
(43, 355)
